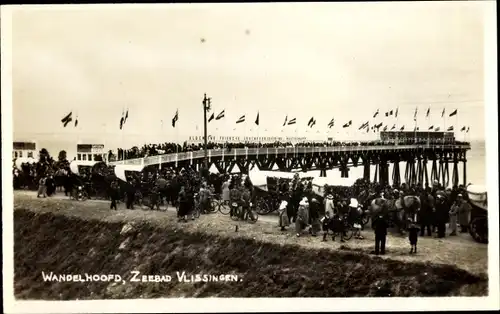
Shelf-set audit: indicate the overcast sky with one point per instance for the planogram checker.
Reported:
(328, 60)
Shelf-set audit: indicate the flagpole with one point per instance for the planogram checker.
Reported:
(444, 123)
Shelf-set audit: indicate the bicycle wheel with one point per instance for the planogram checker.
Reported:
(224, 208)
(252, 216)
(214, 206)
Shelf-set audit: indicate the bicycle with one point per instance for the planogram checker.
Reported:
(341, 225)
(217, 204)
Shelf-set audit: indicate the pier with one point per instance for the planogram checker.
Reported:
(436, 157)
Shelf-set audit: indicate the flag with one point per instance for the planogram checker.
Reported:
(286, 118)
(126, 117)
(437, 129)
(385, 128)
(396, 115)
(387, 114)
(176, 117)
(364, 125)
(76, 121)
(450, 128)
(415, 114)
(122, 120)
(345, 125)
(376, 114)
(378, 125)
(442, 113)
(462, 129)
(453, 113)
(310, 121)
(66, 118)
(431, 127)
(68, 121)
(241, 119)
(468, 128)
(331, 123)
(313, 123)
(390, 113)
(293, 121)
(402, 128)
(428, 112)
(393, 127)
(211, 117)
(257, 120)
(220, 115)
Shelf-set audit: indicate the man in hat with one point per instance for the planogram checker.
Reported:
(441, 215)
(380, 226)
(314, 209)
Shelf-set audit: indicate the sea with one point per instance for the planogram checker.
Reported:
(476, 165)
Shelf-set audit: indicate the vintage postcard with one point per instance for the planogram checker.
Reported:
(250, 157)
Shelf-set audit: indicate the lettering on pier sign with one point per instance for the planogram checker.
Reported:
(90, 148)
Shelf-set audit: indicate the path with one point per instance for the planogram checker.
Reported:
(460, 251)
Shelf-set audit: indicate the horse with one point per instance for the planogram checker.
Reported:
(397, 210)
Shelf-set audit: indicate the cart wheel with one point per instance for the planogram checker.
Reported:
(479, 229)
(253, 216)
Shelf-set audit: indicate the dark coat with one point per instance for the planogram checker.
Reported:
(380, 225)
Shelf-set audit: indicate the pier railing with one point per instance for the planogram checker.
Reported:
(170, 158)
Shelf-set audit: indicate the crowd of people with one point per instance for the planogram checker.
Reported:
(295, 200)
(171, 148)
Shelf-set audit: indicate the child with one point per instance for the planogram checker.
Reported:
(413, 236)
(283, 217)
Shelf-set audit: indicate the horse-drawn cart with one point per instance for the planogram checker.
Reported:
(478, 199)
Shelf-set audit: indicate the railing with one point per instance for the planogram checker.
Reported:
(170, 158)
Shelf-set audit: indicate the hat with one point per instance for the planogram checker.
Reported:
(460, 195)
(329, 196)
(354, 203)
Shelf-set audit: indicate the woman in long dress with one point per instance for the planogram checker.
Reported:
(225, 191)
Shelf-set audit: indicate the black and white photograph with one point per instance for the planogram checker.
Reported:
(250, 157)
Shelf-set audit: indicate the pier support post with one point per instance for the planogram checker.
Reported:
(375, 179)
(396, 177)
(426, 174)
(434, 172)
(366, 169)
(465, 171)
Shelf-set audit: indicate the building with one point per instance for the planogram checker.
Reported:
(432, 137)
(24, 150)
(89, 152)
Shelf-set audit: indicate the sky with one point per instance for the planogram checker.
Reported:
(322, 60)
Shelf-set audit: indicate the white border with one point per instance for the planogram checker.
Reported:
(264, 304)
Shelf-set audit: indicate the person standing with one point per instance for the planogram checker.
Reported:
(441, 215)
(42, 188)
(380, 227)
(225, 191)
(302, 219)
(464, 210)
(314, 221)
(329, 207)
(114, 194)
(453, 218)
(283, 217)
